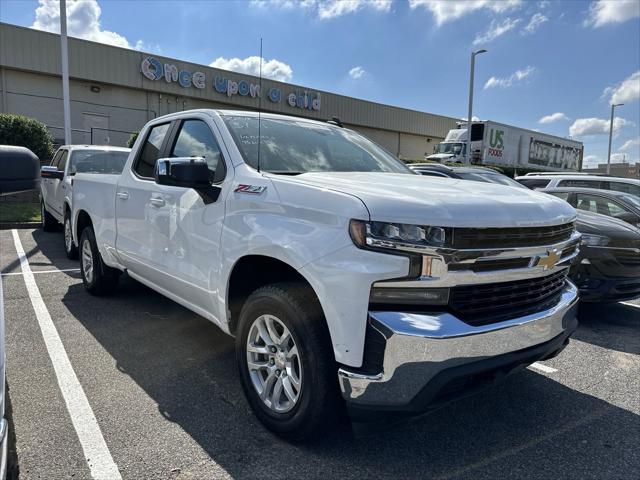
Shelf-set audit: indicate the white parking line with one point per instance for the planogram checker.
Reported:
(542, 368)
(84, 421)
(43, 271)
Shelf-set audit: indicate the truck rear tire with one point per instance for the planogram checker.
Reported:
(98, 278)
(49, 224)
(285, 357)
(69, 247)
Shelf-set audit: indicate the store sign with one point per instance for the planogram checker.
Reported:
(154, 69)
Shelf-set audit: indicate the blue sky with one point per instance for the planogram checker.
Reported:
(568, 58)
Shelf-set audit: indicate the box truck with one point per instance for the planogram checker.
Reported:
(503, 145)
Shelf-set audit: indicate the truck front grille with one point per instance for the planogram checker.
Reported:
(478, 238)
(491, 303)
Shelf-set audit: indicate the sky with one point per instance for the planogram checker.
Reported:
(554, 66)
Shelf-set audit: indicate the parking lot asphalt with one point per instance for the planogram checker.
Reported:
(163, 386)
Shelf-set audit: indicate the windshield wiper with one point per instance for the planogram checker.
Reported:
(284, 172)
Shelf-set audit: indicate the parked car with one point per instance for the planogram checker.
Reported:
(622, 206)
(608, 267)
(550, 180)
(57, 184)
(343, 275)
(478, 174)
(19, 172)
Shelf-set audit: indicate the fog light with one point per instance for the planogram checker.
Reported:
(409, 296)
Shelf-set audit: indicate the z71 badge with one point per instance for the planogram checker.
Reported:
(255, 189)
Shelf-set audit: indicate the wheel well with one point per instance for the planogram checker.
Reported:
(252, 272)
(84, 221)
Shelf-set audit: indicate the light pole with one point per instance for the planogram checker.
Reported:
(66, 107)
(470, 115)
(613, 106)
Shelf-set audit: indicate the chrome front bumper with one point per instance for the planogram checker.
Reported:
(421, 348)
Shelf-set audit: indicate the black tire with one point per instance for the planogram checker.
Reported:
(319, 407)
(49, 223)
(69, 247)
(100, 279)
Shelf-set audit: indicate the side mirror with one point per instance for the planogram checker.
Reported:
(188, 172)
(51, 172)
(19, 170)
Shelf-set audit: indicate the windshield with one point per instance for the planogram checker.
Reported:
(450, 148)
(97, 161)
(293, 147)
(489, 177)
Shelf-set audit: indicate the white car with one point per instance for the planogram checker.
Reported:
(343, 275)
(57, 182)
(554, 180)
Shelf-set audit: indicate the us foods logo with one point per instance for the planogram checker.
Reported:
(496, 143)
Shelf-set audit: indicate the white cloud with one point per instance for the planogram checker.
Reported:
(449, 10)
(147, 47)
(596, 126)
(626, 91)
(473, 119)
(357, 72)
(326, 9)
(554, 117)
(604, 12)
(630, 145)
(518, 77)
(535, 22)
(495, 30)
(83, 21)
(591, 161)
(273, 69)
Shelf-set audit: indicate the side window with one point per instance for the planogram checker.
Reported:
(534, 182)
(563, 195)
(580, 183)
(150, 152)
(625, 187)
(56, 158)
(63, 161)
(195, 139)
(597, 204)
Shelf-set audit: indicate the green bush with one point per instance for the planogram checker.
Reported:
(132, 139)
(26, 132)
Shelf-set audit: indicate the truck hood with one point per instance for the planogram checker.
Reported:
(440, 156)
(445, 202)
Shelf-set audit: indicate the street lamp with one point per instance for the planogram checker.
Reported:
(613, 106)
(470, 115)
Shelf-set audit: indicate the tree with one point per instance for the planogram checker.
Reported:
(26, 132)
(132, 139)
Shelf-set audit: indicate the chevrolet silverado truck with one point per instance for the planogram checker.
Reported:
(345, 278)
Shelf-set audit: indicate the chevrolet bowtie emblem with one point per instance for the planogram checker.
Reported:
(549, 261)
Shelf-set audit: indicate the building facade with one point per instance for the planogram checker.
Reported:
(115, 91)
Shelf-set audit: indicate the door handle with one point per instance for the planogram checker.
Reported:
(123, 195)
(157, 202)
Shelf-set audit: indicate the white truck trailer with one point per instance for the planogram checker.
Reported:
(503, 145)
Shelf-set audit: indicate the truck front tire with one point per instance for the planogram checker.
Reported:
(69, 247)
(285, 357)
(98, 278)
(49, 224)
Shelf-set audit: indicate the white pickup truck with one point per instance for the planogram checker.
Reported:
(56, 185)
(344, 277)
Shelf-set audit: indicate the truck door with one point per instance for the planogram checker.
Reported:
(57, 189)
(46, 184)
(193, 228)
(139, 213)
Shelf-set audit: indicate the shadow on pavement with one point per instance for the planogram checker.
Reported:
(615, 326)
(528, 427)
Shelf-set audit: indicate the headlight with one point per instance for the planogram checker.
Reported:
(395, 235)
(594, 240)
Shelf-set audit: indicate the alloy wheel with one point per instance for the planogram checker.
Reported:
(87, 261)
(274, 363)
